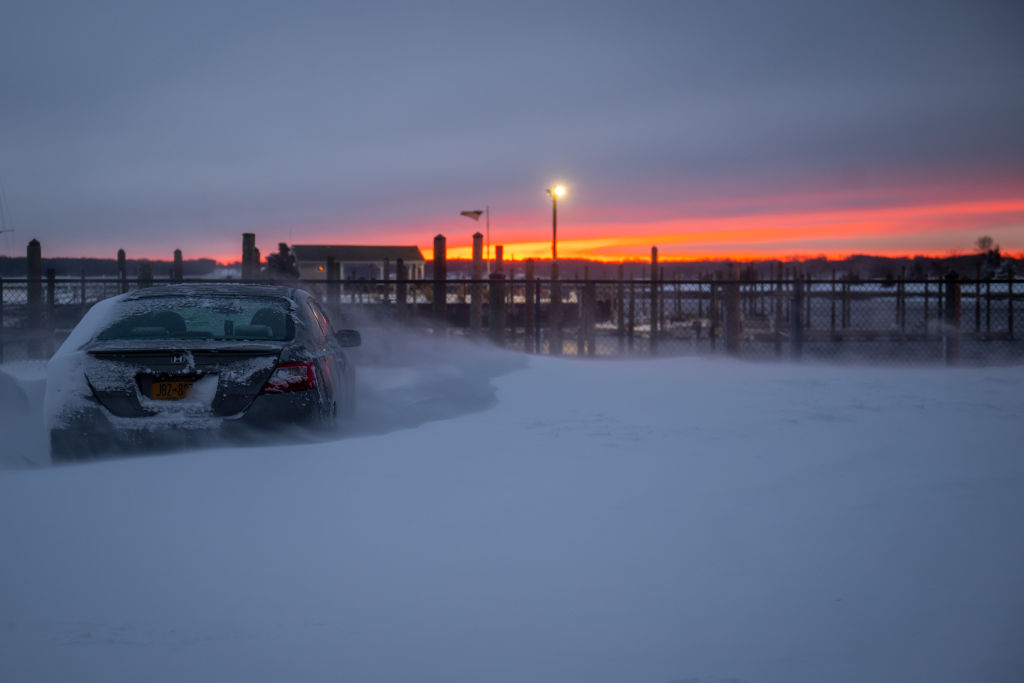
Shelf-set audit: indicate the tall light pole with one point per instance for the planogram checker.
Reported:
(555, 192)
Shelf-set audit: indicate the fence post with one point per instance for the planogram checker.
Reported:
(713, 306)
(832, 324)
(901, 320)
(654, 301)
(476, 290)
(590, 309)
(777, 305)
(700, 294)
(35, 292)
(977, 299)
(796, 328)
(620, 309)
(588, 321)
(1009, 303)
(555, 322)
(530, 314)
(661, 299)
(122, 271)
(847, 308)
(496, 308)
(51, 293)
(178, 273)
(581, 312)
(951, 330)
(733, 314)
(808, 289)
(84, 305)
(51, 309)
(678, 296)
(145, 274)
(631, 325)
(401, 288)
(926, 293)
(536, 309)
(988, 306)
(332, 285)
(440, 280)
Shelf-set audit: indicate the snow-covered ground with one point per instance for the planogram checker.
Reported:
(496, 518)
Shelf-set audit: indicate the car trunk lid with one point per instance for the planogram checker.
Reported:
(218, 381)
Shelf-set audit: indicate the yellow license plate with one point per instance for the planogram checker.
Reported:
(170, 391)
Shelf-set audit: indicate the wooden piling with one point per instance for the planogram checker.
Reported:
(250, 264)
(178, 272)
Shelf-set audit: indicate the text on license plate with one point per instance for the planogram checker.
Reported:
(170, 391)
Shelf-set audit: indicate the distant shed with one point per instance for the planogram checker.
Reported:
(357, 261)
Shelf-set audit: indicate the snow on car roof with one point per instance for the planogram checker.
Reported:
(223, 288)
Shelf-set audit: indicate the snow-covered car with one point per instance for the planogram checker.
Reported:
(162, 365)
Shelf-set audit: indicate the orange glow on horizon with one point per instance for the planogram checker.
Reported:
(601, 234)
(926, 230)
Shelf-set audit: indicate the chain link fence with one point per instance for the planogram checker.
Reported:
(895, 321)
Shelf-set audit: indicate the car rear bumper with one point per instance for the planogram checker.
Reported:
(96, 433)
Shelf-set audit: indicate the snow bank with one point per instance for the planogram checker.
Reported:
(672, 520)
(22, 441)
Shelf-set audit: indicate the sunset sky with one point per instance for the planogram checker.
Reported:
(707, 128)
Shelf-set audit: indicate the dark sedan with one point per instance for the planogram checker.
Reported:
(166, 365)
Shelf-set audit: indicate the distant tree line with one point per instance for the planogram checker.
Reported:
(860, 267)
(15, 267)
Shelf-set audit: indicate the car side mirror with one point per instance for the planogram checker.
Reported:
(348, 338)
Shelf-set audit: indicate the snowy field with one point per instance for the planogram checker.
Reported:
(496, 518)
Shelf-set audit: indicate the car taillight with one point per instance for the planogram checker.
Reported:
(290, 377)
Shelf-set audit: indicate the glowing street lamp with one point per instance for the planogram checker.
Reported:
(555, 192)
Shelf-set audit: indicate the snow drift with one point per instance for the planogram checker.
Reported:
(672, 520)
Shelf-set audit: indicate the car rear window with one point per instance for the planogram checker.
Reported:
(202, 317)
